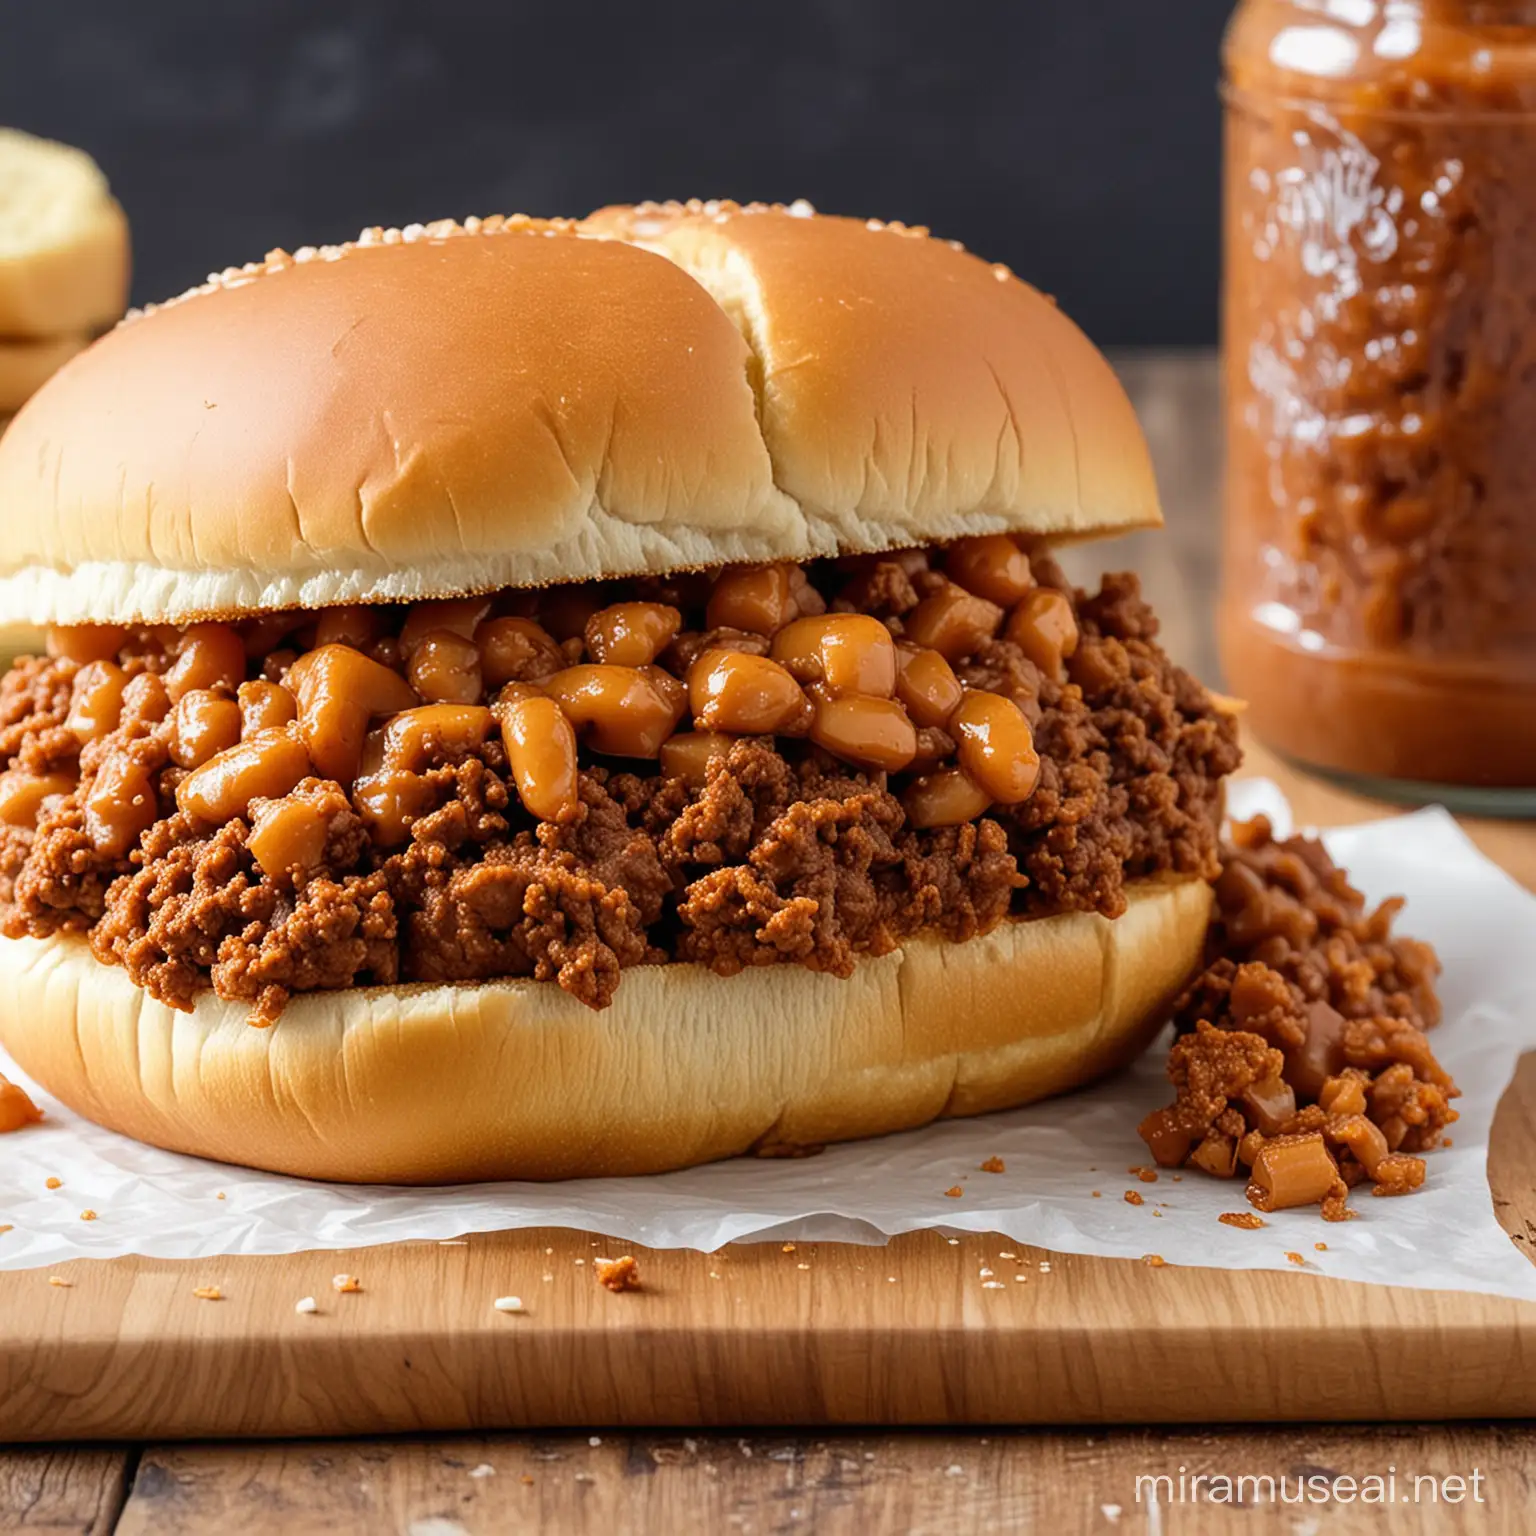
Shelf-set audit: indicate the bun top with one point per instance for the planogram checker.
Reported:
(512, 402)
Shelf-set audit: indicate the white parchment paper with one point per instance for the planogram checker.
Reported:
(1056, 1154)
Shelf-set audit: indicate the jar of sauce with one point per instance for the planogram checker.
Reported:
(1379, 571)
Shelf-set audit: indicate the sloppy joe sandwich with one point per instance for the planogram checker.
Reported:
(528, 699)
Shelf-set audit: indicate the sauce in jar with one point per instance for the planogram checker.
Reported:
(1379, 584)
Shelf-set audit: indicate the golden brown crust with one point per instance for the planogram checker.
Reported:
(510, 403)
(517, 1080)
(901, 376)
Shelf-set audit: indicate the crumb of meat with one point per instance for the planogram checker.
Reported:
(621, 1274)
(1249, 1221)
(1132, 755)
(994, 1165)
(830, 876)
(1154, 1260)
(1304, 983)
(689, 646)
(1398, 1174)
(1134, 1197)
(884, 590)
(567, 904)
(1209, 1068)
(954, 1192)
(34, 704)
(197, 906)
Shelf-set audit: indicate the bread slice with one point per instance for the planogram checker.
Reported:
(63, 241)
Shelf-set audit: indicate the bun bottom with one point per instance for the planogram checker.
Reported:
(431, 1084)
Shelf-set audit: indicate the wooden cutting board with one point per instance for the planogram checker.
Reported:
(756, 1334)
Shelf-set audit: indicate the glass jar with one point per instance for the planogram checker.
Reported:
(1379, 571)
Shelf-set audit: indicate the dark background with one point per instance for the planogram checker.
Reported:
(1076, 140)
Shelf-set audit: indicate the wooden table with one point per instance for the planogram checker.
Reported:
(931, 1480)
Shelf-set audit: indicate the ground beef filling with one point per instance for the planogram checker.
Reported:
(779, 853)
(1303, 1060)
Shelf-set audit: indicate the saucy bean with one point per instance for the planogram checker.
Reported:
(339, 691)
(444, 668)
(992, 566)
(86, 642)
(995, 746)
(687, 755)
(262, 767)
(541, 752)
(207, 656)
(747, 695)
(759, 598)
(287, 835)
(618, 710)
(121, 805)
(631, 634)
(953, 622)
(926, 684)
(390, 802)
(373, 752)
(96, 700)
(564, 611)
(265, 706)
(266, 632)
(460, 615)
(22, 795)
(203, 724)
(516, 650)
(673, 689)
(847, 653)
(357, 625)
(1044, 627)
(871, 733)
(947, 797)
(146, 698)
(414, 735)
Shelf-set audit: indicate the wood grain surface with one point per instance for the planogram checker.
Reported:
(937, 1482)
(63, 1489)
(128, 1351)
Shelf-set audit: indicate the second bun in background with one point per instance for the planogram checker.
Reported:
(64, 255)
